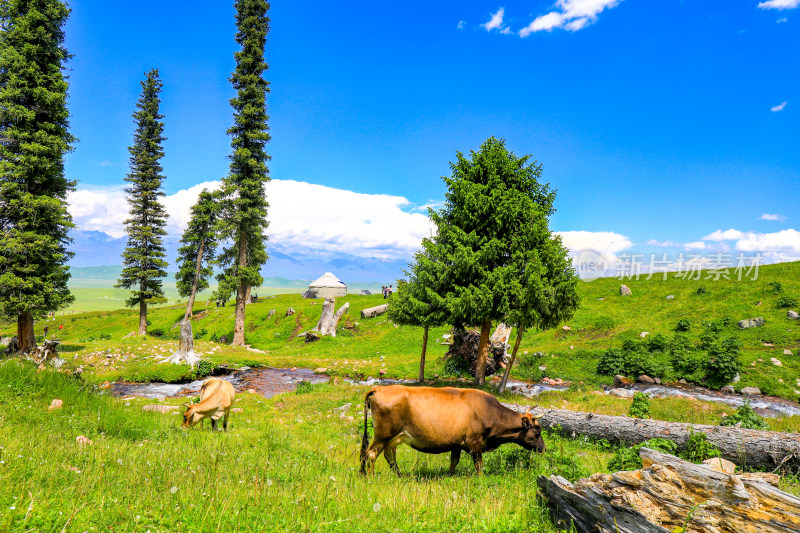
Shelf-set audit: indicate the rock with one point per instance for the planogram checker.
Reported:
(83, 441)
(237, 410)
(447, 336)
(600, 299)
(751, 323)
(670, 297)
(658, 381)
(382, 372)
(767, 344)
(644, 334)
(751, 391)
(720, 465)
(622, 381)
(728, 389)
(566, 328)
(161, 408)
(794, 315)
(682, 381)
(644, 378)
(289, 312)
(6, 340)
(624, 290)
(321, 370)
(775, 362)
(622, 393)
(758, 303)
(787, 352)
(736, 378)
(105, 385)
(312, 336)
(543, 368)
(56, 404)
(251, 391)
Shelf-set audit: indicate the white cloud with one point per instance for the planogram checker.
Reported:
(787, 240)
(301, 215)
(496, 22)
(781, 20)
(571, 15)
(106, 164)
(663, 244)
(727, 235)
(774, 217)
(778, 108)
(460, 25)
(605, 242)
(697, 245)
(779, 4)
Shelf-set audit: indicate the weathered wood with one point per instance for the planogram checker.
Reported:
(329, 320)
(667, 494)
(766, 449)
(371, 312)
(501, 334)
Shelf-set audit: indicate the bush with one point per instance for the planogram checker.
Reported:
(640, 408)
(786, 301)
(723, 362)
(745, 416)
(199, 334)
(527, 366)
(204, 368)
(658, 343)
(698, 448)
(611, 363)
(775, 287)
(684, 324)
(304, 387)
(700, 291)
(627, 458)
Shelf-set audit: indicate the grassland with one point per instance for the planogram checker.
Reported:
(290, 463)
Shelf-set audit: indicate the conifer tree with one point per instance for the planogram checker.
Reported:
(416, 302)
(491, 196)
(243, 216)
(198, 245)
(34, 137)
(143, 258)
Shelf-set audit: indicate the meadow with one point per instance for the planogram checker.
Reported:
(290, 462)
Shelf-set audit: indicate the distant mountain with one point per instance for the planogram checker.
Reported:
(98, 256)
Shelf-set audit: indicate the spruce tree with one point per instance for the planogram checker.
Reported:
(198, 245)
(417, 303)
(243, 216)
(143, 258)
(491, 196)
(34, 137)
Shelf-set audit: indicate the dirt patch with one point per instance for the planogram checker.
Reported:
(297, 327)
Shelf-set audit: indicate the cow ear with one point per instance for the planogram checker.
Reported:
(527, 421)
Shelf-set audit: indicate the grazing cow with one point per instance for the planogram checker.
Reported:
(216, 398)
(434, 420)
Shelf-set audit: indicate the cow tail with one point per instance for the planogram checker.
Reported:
(365, 438)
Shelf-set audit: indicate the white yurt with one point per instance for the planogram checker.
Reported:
(326, 286)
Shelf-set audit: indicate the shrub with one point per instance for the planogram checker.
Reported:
(612, 362)
(304, 387)
(204, 368)
(157, 332)
(700, 291)
(640, 408)
(641, 362)
(698, 449)
(684, 324)
(746, 417)
(527, 366)
(786, 301)
(627, 458)
(658, 343)
(775, 287)
(199, 334)
(723, 362)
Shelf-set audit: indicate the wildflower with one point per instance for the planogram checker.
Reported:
(376, 508)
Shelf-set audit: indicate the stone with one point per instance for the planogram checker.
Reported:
(751, 391)
(83, 440)
(670, 297)
(6, 340)
(105, 385)
(321, 370)
(382, 372)
(644, 334)
(542, 368)
(290, 311)
(736, 378)
(566, 328)
(775, 362)
(161, 408)
(720, 465)
(600, 299)
(56, 404)
(624, 290)
(751, 322)
(447, 336)
(237, 410)
(728, 389)
(794, 315)
(682, 381)
(658, 381)
(251, 391)
(787, 352)
(621, 393)
(644, 378)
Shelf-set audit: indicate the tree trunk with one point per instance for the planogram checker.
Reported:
(670, 494)
(142, 317)
(483, 350)
(766, 449)
(422, 357)
(25, 334)
(241, 298)
(196, 281)
(520, 331)
(329, 320)
(374, 311)
(186, 346)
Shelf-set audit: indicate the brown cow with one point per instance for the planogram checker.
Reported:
(434, 420)
(216, 398)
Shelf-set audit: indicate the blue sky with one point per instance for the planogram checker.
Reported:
(655, 120)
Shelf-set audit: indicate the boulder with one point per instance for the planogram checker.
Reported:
(289, 312)
(720, 465)
(670, 297)
(751, 391)
(5, 340)
(736, 378)
(794, 315)
(237, 410)
(622, 381)
(83, 440)
(728, 389)
(320, 370)
(56, 404)
(644, 334)
(658, 381)
(751, 323)
(776, 362)
(644, 378)
(622, 393)
(624, 290)
(566, 328)
(787, 352)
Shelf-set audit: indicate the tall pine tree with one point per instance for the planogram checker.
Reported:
(243, 217)
(34, 137)
(198, 246)
(143, 258)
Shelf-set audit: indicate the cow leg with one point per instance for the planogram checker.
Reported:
(373, 452)
(213, 425)
(455, 457)
(391, 458)
(225, 422)
(477, 458)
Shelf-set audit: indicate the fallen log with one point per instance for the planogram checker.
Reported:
(329, 320)
(371, 312)
(763, 449)
(670, 494)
